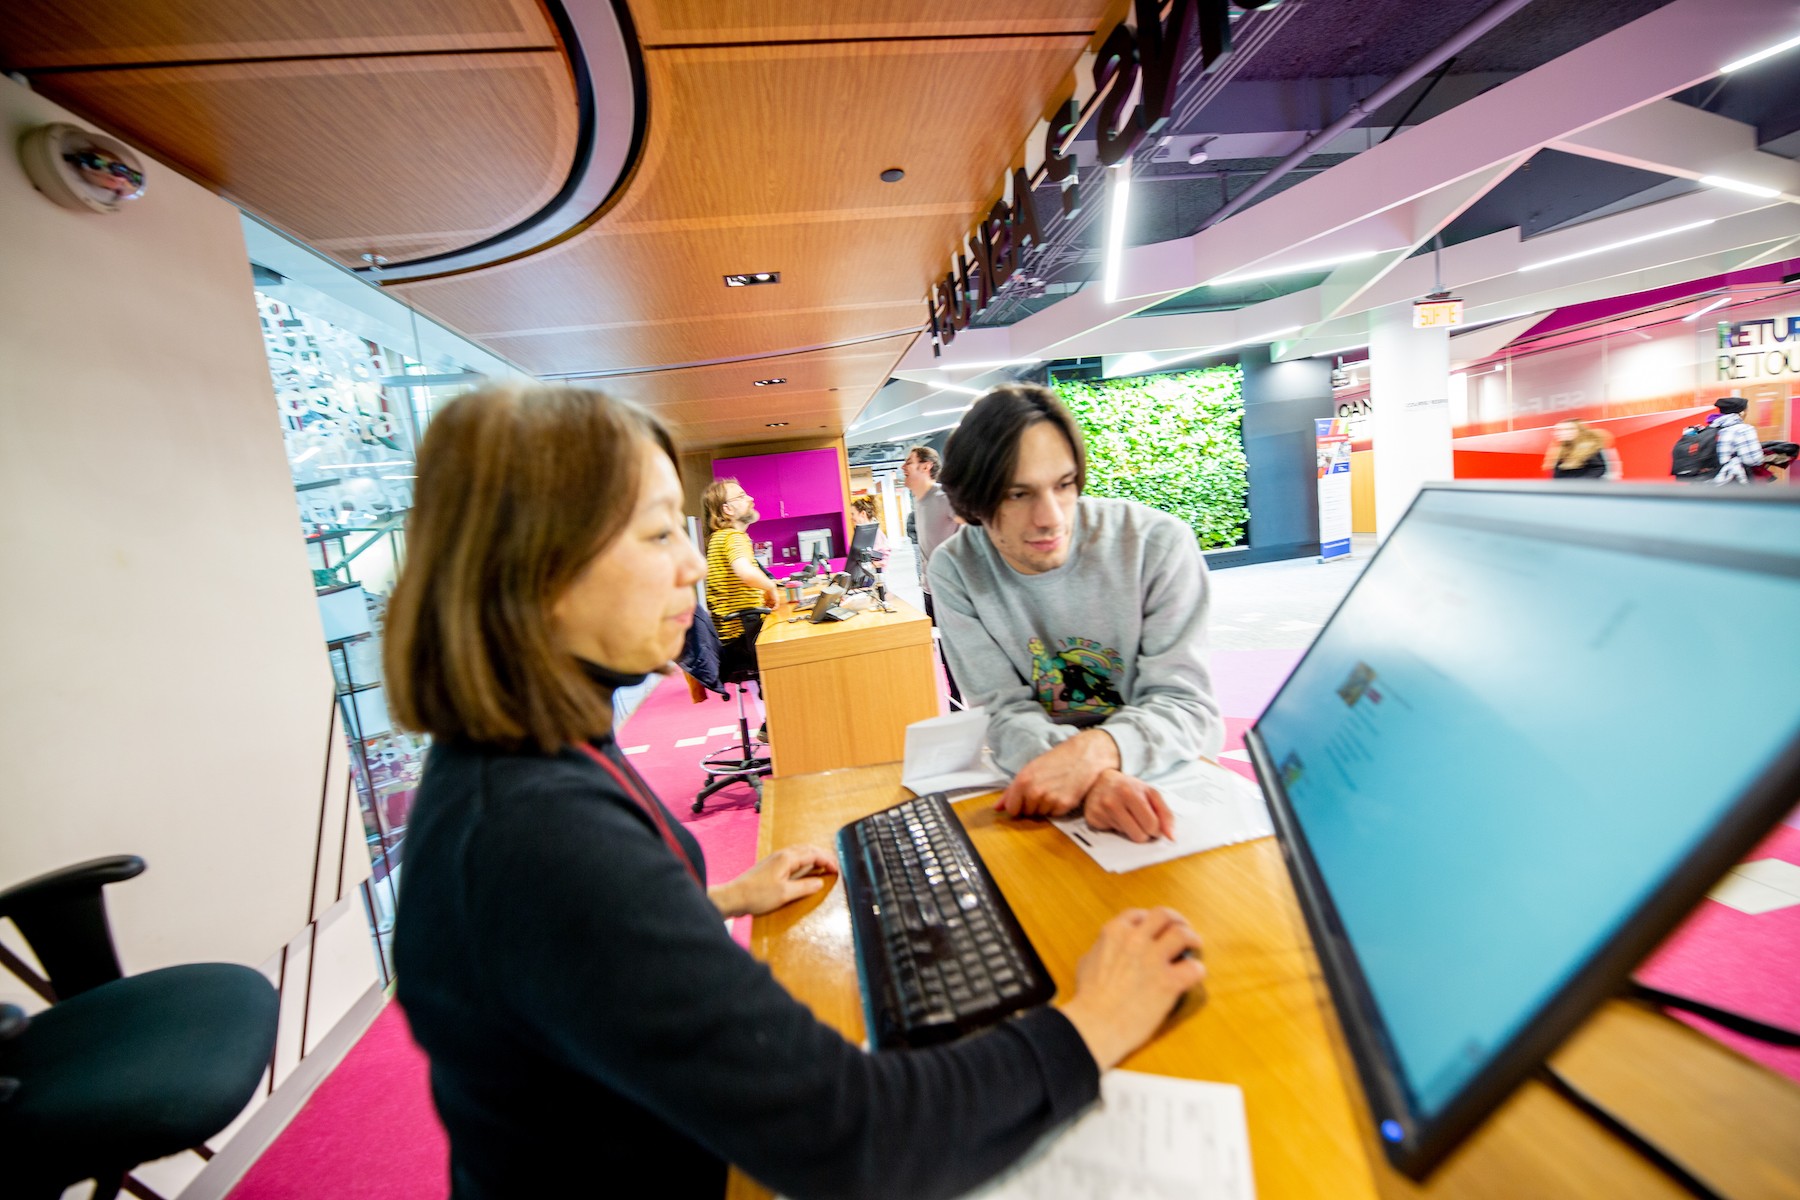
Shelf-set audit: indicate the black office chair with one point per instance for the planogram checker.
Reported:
(117, 1071)
(739, 763)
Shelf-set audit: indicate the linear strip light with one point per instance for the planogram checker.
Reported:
(964, 388)
(983, 366)
(1738, 185)
(1120, 193)
(1296, 269)
(944, 412)
(1204, 351)
(1695, 316)
(1645, 237)
(1770, 52)
(397, 462)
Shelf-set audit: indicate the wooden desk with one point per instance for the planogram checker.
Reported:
(1267, 1025)
(841, 693)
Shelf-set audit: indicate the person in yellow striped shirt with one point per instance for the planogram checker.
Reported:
(734, 579)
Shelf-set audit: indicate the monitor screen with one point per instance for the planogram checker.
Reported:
(1531, 736)
(863, 538)
(814, 543)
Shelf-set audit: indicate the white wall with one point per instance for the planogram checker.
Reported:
(167, 692)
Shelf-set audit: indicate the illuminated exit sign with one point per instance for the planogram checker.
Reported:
(1437, 312)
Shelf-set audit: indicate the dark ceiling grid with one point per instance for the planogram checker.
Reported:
(1067, 243)
(1331, 39)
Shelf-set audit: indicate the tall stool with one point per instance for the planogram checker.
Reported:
(741, 762)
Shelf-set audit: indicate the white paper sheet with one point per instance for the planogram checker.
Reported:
(1212, 805)
(1149, 1138)
(949, 754)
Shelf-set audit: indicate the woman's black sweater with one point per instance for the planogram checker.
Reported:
(588, 1017)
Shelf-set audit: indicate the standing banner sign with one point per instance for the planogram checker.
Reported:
(1334, 487)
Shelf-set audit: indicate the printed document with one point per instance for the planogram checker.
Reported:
(949, 754)
(1149, 1138)
(1213, 806)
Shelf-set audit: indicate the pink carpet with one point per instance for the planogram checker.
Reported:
(370, 1130)
(1743, 963)
(368, 1133)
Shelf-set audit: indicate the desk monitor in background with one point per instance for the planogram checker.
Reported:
(1532, 736)
(815, 544)
(862, 551)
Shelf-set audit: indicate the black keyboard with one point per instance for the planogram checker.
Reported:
(938, 949)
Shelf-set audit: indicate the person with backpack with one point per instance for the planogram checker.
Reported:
(1719, 451)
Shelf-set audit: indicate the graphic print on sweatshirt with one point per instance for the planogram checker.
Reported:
(1079, 677)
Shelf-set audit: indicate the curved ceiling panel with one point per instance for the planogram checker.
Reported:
(403, 130)
(609, 99)
(768, 157)
(44, 34)
(399, 157)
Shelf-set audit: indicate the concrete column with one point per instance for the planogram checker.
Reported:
(1409, 391)
(1281, 401)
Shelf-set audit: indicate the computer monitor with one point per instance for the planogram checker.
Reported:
(863, 538)
(1533, 734)
(815, 544)
(862, 546)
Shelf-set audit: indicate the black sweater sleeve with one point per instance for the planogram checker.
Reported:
(605, 949)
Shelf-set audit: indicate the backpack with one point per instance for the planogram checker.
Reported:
(1696, 453)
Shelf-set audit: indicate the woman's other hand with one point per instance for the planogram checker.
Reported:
(1129, 981)
(784, 876)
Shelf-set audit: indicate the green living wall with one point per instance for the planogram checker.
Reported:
(1172, 441)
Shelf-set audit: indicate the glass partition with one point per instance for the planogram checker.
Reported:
(357, 375)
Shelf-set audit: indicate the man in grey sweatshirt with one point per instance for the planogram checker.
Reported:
(1079, 623)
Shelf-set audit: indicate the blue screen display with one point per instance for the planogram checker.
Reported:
(1529, 710)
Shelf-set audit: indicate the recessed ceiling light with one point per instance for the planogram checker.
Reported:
(893, 175)
(769, 382)
(753, 279)
(776, 424)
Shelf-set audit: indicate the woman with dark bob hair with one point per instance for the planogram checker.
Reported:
(560, 956)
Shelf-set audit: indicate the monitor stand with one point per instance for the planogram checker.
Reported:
(1646, 1149)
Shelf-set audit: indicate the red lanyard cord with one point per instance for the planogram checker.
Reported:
(648, 803)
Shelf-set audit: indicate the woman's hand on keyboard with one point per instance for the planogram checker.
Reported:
(784, 876)
(1126, 984)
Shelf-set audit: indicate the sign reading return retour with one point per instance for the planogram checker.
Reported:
(1767, 348)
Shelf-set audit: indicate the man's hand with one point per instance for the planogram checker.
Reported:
(1057, 780)
(1128, 805)
(784, 876)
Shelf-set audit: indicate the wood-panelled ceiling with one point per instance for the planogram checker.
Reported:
(253, 130)
(401, 128)
(768, 126)
(768, 157)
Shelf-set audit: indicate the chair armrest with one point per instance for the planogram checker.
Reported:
(752, 629)
(63, 915)
(75, 880)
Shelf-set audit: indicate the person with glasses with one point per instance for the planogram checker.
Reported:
(734, 579)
